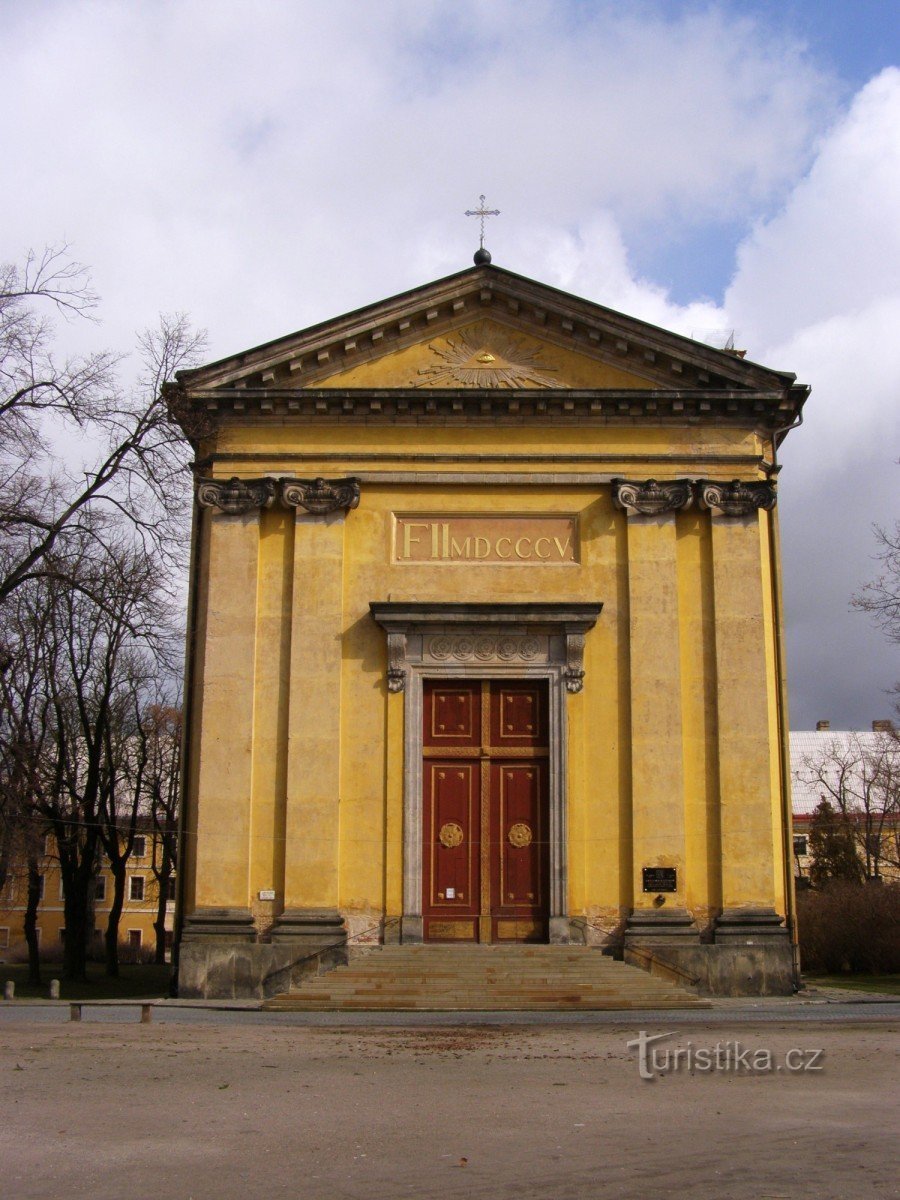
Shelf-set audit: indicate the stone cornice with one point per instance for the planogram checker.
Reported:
(401, 619)
(763, 409)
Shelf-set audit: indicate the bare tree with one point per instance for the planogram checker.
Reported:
(77, 530)
(161, 732)
(141, 779)
(859, 777)
(881, 596)
(133, 454)
(96, 637)
(25, 729)
(122, 790)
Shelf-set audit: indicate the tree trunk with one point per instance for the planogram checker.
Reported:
(112, 926)
(75, 908)
(30, 924)
(159, 925)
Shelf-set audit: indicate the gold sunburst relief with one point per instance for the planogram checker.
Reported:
(483, 357)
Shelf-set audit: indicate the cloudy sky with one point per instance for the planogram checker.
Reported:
(264, 165)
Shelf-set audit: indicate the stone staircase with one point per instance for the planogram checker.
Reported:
(483, 979)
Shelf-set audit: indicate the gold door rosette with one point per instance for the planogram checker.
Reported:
(520, 835)
(450, 835)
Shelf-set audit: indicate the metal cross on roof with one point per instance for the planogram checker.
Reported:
(482, 212)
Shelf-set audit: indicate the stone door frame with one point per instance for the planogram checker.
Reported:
(484, 641)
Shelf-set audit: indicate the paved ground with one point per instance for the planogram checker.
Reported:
(235, 1104)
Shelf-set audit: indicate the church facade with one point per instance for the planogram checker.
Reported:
(485, 643)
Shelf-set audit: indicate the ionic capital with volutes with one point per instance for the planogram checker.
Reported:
(737, 498)
(650, 498)
(320, 496)
(234, 496)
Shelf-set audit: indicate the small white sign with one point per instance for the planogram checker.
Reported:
(267, 894)
(451, 893)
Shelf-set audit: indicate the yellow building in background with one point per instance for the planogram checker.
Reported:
(485, 642)
(137, 935)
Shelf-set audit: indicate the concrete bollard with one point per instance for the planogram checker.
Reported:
(74, 1012)
(9, 990)
(54, 989)
(146, 1014)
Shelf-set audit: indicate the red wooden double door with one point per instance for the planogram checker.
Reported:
(486, 792)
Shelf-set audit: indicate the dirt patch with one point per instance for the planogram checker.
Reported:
(228, 1111)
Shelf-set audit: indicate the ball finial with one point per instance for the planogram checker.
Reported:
(481, 256)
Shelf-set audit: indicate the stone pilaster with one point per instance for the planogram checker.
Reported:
(745, 729)
(657, 763)
(224, 729)
(312, 819)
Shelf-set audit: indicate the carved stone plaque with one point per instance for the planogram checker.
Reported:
(535, 540)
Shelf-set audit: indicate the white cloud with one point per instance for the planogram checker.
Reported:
(268, 165)
(594, 262)
(853, 362)
(835, 246)
(817, 291)
(817, 287)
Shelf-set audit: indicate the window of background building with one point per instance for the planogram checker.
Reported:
(136, 891)
(800, 845)
(170, 888)
(134, 939)
(140, 847)
(100, 889)
(4, 937)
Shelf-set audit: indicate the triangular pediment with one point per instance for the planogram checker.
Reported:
(486, 329)
(488, 353)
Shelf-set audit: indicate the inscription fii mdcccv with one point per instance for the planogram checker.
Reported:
(485, 539)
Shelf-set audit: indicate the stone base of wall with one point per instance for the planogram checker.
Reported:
(763, 969)
(228, 970)
(220, 959)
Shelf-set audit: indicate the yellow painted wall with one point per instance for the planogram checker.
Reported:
(365, 819)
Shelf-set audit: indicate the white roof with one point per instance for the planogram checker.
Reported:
(812, 744)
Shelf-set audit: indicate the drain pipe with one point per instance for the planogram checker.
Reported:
(790, 894)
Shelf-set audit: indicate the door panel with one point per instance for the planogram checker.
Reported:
(519, 715)
(485, 794)
(453, 715)
(452, 795)
(520, 860)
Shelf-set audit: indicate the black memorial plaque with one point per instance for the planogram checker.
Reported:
(659, 879)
